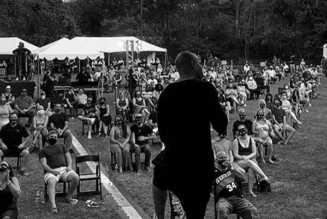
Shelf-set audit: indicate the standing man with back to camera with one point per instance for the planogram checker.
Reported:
(186, 110)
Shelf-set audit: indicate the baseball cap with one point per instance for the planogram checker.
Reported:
(241, 111)
(8, 86)
(24, 90)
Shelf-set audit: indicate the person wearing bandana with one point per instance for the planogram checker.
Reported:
(229, 198)
(141, 134)
(57, 164)
(11, 141)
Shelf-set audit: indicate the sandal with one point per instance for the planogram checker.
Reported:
(54, 210)
(72, 201)
(91, 204)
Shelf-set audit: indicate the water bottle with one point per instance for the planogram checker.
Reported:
(41, 197)
(37, 199)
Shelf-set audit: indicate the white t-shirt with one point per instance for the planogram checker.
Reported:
(246, 68)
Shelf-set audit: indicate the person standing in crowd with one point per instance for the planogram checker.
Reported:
(187, 136)
(24, 106)
(48, 83)
(9, 192)
(10, 98)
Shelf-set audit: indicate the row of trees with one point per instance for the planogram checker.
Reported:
(229, 29)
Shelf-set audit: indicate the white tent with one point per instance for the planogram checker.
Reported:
(9, 44)
(65, 48)
(325, 51)
(116, 44)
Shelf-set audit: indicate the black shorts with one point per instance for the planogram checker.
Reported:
(12, 152)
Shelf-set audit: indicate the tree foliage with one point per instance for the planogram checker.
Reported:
(229, 29)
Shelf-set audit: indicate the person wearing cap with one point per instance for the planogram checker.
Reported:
(11, 141)
(45, 102)
(141, 133)
(242, 120)
(5, 110)
(10, 99)
(9, 192)
(57, 164)
(24, 106)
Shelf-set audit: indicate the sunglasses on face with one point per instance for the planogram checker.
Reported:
(3, 167)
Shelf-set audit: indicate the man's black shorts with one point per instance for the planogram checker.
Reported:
(12, 152)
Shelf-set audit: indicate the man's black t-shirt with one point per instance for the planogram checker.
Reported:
(279, 114)
(248, 124)
(58, 120)
(55, 155)
(44, 102)
(186, 109)
(12, 136)
(144, 130)
(89, 109)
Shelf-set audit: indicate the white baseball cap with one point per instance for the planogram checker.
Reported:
(8, 87)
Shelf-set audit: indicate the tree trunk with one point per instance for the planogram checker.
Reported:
(237, 18)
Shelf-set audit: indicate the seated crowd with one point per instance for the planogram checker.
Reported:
(275, 121)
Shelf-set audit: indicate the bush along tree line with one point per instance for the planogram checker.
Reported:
(229, 29)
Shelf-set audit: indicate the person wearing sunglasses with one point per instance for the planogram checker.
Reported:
(9, 192)
(245, 151)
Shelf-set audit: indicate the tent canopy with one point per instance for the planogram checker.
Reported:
(65, 48)
(9, 44)
(116, 44)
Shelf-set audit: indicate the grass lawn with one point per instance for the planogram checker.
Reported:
(298, 182)
(31, 184)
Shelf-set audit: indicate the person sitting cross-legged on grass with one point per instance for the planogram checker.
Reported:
(120, 135)
(59, 122)
(11, 141)
(228, 193)
(57, 164)
(90, 114)
(280, 125)
(141, 133)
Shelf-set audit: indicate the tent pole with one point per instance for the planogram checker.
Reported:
(103, 64)
(38, 78)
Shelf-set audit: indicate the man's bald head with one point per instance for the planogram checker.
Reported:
(187, 63)
(221, 155)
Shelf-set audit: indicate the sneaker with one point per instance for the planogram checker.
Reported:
(244, 104)
(99, 135)
(92, 121)
(310, 104)
(89, 136)
(23, 173)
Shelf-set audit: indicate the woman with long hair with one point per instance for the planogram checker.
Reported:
(120, 136)
(105, 117)
(244, 151)
(40, 123)
(140, 105)
(261, 128)
(269, 101)
(9, 191)
(122, 106)
(5, 111)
